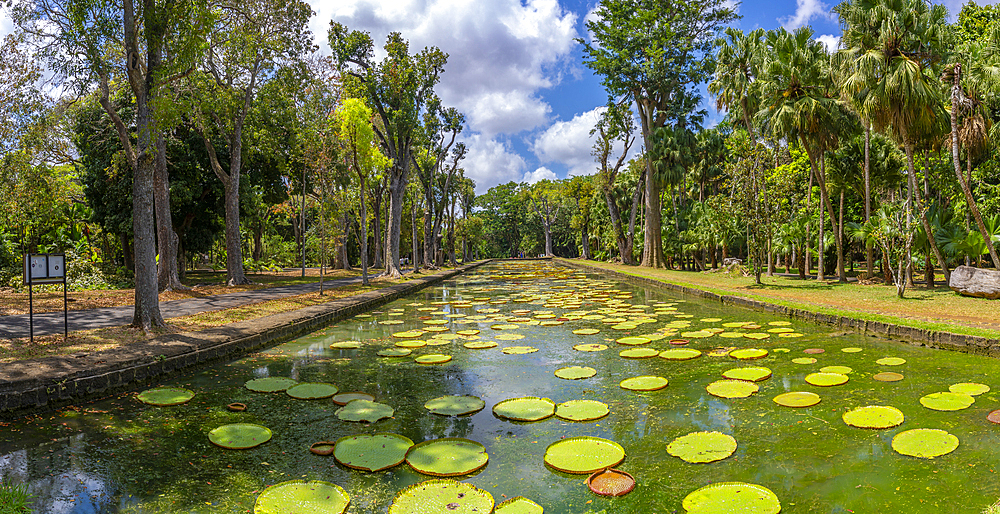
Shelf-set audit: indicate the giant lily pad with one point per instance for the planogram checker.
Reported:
(592, 347)
(394, 352)
(797, 399)
(891, 361)
(969, 388)
(826, 379)
(528, 408)
(582, 455)
(270, 384)
(702, 447)
(412, 343)
(433, 358)
(732, 497)
(165, 396)
(644, 383)
(509, 337)
(455, 405)
(409, 334)
(302, 497)
(732, 388)
(639, 353)
(947, 401)
(582, 410)
(804, 360)
(480, 345)
(748, 353)
(843, 370)
(888, 376)
(519, 350)
(345, 398)
(697, 334)
(311, 390)
(434, 496)
(518, 505)
(586, 331)
(874, 416)
(851, 349)
(346, 345)
(925, 443)
(611, 482)
(239, 436)
(751, 374)
(680, 354)
(575, 372)
(447, 457)
(372, 452)
(634, 340)
(364, 410)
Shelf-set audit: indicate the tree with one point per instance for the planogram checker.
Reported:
(440, 128)
(544, 198)
(249, 42)
(581, 190)
(615, 126)
(397, 88)
(655, 54)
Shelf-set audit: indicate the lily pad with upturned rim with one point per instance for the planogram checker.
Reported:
(270, 384)
(311, 390)
(750, 374)
(165, 396)
(322, 448)
(434, 496)
(345, 398)
(891, 361)
(364, 410)
(480, 345)
(452, 405)
(239, 436)
(412, 343)
(575, 372)
(300, 496)
(925, 443)
(433, 358)
(748, 354)
(732, 497)
(947, 401)
(634, 340)
(888, 376)
(582, 410)
(519, 350)
(732, 388)
(851, 349)
(518, 505)
(447, 457)
(372, 452)
(874, 416)
(583, 455)
(639, 353)
(797, 399)
(346, 345)
(644, 383)
(826, 379)
(843, 370)
(680, 354)
(969, 388)
(610, 482)
(804, 360)
(527, 408)
(409, 334)
(394, 352)
(702, 447)
(586, 331)
(591, 347)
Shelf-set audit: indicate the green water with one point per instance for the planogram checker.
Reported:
(118, 455)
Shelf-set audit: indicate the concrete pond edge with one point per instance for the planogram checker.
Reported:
(976, 345)
(35, 385)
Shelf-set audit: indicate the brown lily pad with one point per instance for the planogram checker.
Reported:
(611, 482)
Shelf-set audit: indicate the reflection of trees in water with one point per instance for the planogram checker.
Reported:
(56, 476)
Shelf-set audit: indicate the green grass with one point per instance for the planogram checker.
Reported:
(993, 509)
(14, 499)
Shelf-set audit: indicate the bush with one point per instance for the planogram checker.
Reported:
(14, 499)
(83, 275)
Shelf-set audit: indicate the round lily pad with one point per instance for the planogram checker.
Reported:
(364, 410)
(994, 416)
(891, 361)
(680, 354)
(447, 457)
(467, 332)
(432, 358)
(412, 343)
(639, 353)
(270, 384)
(644, 383)
(843, 370)
(435, 496)
(797, 399)
(322, 448)
(779, 323)
(409, 334)
(346, 345)
(634, 340)
(455, 405)
(736, 324)
(731, 335)
(528, 408)
(436, 329)
(711, 320)
(969, 388)
(874, 416)
(518, 505)
(586, 331)
(345, 398)
(947, 401)
(519, 350)
(582, 410)
(165, 396)
(751, 374)
(610, 482)
(804, 360)
(721, 352)
(678, 342)
(756, 335)
(508, 337)
(726, 497)
(435, 322)
(372, 452)
(748, 353)
(702, 447)
(814, 351)
(575, 372)
(697, 334)
(300, 496)
(581, 455)
(732, 388)
(887, 376)
(925, 443)
(592, 347)
(394, 352)
(851, 349)
(480, 345)
(311, 390)
(826, 379)
(239, 436)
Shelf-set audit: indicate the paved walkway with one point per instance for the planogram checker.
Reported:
(52, 322)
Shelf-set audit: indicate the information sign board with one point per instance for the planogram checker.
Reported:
(44, 268)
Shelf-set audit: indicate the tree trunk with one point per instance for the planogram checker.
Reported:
(397, 194)
(585, 240)
(637, 195)
(841, 273)
(652, 251)
(364, 236)
(415, 259)
(821, 244)
(451, 234)
(624, 250)
(869, 249)
(923, 212)
(166, 269)
(377, 205)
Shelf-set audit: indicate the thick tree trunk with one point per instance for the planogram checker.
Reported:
(377, 205)
(397, 194)
(869, 249)
(624, 250)
(841, 273)
(640, 188)
(364, 236)
(166, 268)
(585, 240)
(415, 259)
(652, 251)
(821, 243)
(451, 234)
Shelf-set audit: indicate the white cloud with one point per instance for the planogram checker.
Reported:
(6, 23)
(501, 52)
(570, 144)
(831, 42)
(538, 175)
(491, 162)
(805, 11)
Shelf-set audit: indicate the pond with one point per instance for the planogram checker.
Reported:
(120, 455)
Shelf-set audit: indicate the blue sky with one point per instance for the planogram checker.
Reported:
(517, 73)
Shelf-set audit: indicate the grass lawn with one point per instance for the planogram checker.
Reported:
(937, 308)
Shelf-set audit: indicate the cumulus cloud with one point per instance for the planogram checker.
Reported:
(491, 162)
(570, 143)
(805, 11)
(538, 175)
(831, 42)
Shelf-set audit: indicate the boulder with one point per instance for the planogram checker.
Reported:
(978, 282)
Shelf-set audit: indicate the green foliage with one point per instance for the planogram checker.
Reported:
(15, 499)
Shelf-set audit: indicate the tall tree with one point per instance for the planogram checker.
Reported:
(655, 55)
(615, 127)
(544, 198)
(397, 88)
(440, 128)
(581, 190)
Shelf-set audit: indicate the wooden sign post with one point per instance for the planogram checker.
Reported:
(45, 268)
